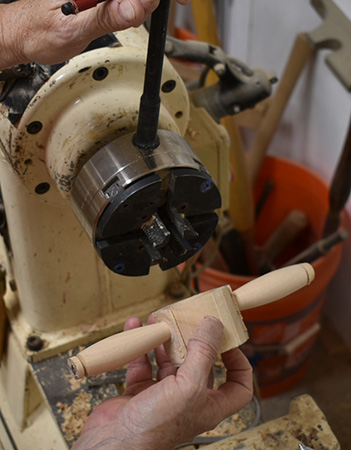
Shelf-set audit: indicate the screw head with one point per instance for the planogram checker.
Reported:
(100, 73)
(35, 343)
(42, 188)
(118, 268)
(34, 127)
(168, 86)
(206, 186)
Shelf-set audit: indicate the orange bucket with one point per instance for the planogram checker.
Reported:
(282, 334)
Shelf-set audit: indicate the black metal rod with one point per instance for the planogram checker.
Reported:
(146, 137)
(320, 248)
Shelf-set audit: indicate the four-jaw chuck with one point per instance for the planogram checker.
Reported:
(146, 207)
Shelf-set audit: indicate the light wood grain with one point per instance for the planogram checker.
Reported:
(118, 350)
(241, 208)
(184, 317)
(300, 55)
(274, 286)
(287, 231)
(176, 323)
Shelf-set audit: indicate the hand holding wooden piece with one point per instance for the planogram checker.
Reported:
(176, 323)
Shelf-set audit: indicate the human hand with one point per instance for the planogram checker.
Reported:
(36, 30)
(177, 406)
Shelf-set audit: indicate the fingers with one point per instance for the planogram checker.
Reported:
(127, 11)
(134, 12)
(165, 367)
(44, 34)
(238, 389)
(235, 361)
(140, 370)
(203, 349)
(116, 15)
(239, 370)
(131, 323)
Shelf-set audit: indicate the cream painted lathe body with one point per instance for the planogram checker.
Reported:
(58, 288)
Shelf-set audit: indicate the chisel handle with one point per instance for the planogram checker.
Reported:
(340, 188)
(300, 55)
(117, 350)
(273, 286)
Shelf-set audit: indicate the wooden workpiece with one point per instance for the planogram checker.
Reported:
(176, 323)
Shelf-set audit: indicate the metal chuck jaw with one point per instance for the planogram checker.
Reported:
(146, 207)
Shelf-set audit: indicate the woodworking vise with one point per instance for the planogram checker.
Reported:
(87, 196)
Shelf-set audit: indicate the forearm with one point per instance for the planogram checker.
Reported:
(10, 36)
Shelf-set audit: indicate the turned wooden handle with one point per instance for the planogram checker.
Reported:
(117, 350)
(273, 286)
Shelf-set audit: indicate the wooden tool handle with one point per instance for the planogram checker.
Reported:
(300, 55)
(116, 351)
(241, 210)
(340, 188)
(273, 286)
(293, 224)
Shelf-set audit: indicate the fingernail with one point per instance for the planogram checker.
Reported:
(126, 11)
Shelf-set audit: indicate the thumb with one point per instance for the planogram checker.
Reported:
(203, 349)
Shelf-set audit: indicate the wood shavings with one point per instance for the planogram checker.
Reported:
(74, 383)
(230, 426)
(89, 327)
(74, 416)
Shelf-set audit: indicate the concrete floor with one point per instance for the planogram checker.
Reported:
(328, 381)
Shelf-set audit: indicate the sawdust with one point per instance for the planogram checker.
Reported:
(230, 426)
(75, 415)
(89, 327)
(74, 383)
